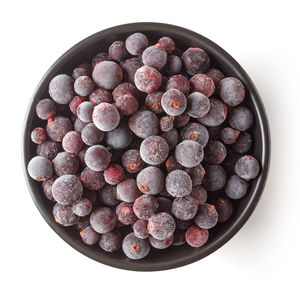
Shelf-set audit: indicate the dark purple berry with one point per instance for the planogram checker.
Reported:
(108, 195)
(111, 241)
(75, 102)
(132, 161)
(224, 208)
(155, 56)
(178, 82)
(174, 65)
(185, 208)
(216, 115)
(79, 125)
(198, 105)
(85, 111)
(72, 142)
(167, 44)
(82, 207)
(207, 216)
(243, 143)
(229, 135)
(195, 60)
(84, 85)
(161, 244)
(166, 123)
(161, 225)
(135, 248)
(172, 164)
(64, 215)
(100, 58)
(215, 152)
(153, 102)
(46, 109)
(182, 120)
(125, 213)
(196, 236)
(203, 84)
(145, 206)
(97, 157)
(189, 153)
(236, 187)
(38, 135)
(114, 174)
(58, 127)
(199, 193)
(92, 180)
(231, 91)
(173, 102)
(47, 187)
(136, 43)
(130, 66)
(67, 189)
(106, 117)
(127, 104)
(117, 51)
(100, 95)
(91, 135)
(120, 137)
(241, 118)
(196, 173)
(216, 75)
(140, 228)
(171, 138)
(81, 155)
(61, 89)
(150, 180)
(82, 70)
(89, 236)
(215, 178)
(127, 190)
(103, 220)
(48, 149)
(195, 132)
(83, 223)
(178, 183)
(247, 167)
(40, 168)
(143, 123)
(147, 79)
(65, 163)
(125, 88)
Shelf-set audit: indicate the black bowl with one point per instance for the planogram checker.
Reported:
(174, 256)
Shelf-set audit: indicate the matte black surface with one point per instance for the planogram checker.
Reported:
(174, 256)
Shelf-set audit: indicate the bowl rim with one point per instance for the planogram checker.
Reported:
(256, 194)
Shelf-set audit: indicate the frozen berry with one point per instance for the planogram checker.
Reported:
(38, 135)
(207, 216)
(103, 220)
(196, 173)
(125, 89)
(97, 157)
(84, 85)
(117, 51)
(140, 228)
(178, 82)
(79, 125)
(161, 244)
(241, 118)
(174, 102)
(125, 213)
(89, 236)
(65, 163)
(58, 127)
(247, 167)
(91, 135)
(199, 193)
(215, 152)
(75, 102)
(130, 66)
(229, 135)
(92, 180)
(100, 95)
(136, 43)
(167, 44)
(100, 57)
(153, 102)
(111, 241)
(64, 215)
(185, 208)
(231, 91)
(147, 79)
(127, 190)
(84, 111)
(203, 84)
(198, 105)
(61, 89)
(150, 180)
(132, 161)
(48, 149)
(40, 168)
(236, 187)
(155, 56)
(161, 225)
(243, 143)
(82, 207)
(215, 178)
(224, 208)
(216, 75)
(189, 153)
(72, 142)
(178, 183)
(145, 206)
(172, 164)
(196, 236)
(108, 195)
(114, 174)
(171, 138)
(195, 60)
(135, 248)
(46, 109)
(182, 120)
(174, 65)
(195, 132)
(47, 187)
(127, 104)
(120, 137)
(166, 123)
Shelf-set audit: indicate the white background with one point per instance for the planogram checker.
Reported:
(263, 36)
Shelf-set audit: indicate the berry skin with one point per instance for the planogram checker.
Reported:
(196, 173)
(75, 102)
(103, 220)
(241, 118)
(216, 75)
(224, 208)
(195, 61)
(40, 168)
(91, 135)
(243, 143)
(178, 183)
(207, 216)
(119, 138)
(161, 244)
(107, 75)
(189, 153)
(79, 125)
(61, 89)
(143, 123)
(216, 115)
(161, 225)
(155, 56)
(229, 135)
(172, 164)
(154, 150)
(195, 132)
(47, 187)
(132, 161)
(199, 193)
(127, 104)
(38, 136)
(167, 44)
(178, 82)
(127, 190)
(215, 178)
(174, 65)
(46, 109)
(125, 213)
(106, 117)
(247, 167)
(124, 89)
(100, 58)
(171, 138)
(84, 85)
(182, 120)
(58, 127)
(136, 43)
(196, 236)
(89, 236)
(145, 206)
(108, 196)
(215, 152)
(111, 241)
(198, 105)
(65, 163)
(82, 71)
(135, 248)
(203, 84)
(100, 95)
(153, 102)
(82, 223)
(165, 204)
(72, 142)
(117, 51)
(114, 174)
(48, 149)
(139, 228)
(185, 208)
(92, 180)
(84, 111)
(231, 91)
(67, 189)
(173, 102)
(130, 66)
(178, 237)
(147, 79)
(166, 123)
(64, 215)
(97, 157)
(82, 207)
(236, 187)
(150, 180)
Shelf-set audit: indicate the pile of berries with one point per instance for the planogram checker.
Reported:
(145, 146)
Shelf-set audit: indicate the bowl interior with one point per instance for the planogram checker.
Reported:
(174, 256)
